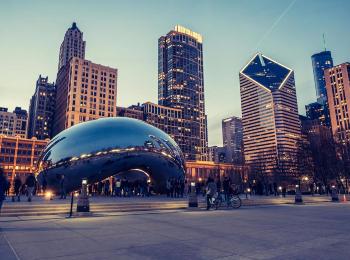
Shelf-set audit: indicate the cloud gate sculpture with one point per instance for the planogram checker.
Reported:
(96, 150)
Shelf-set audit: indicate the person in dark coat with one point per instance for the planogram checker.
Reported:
(211, 190)
(44, 185)
(3, 187)
(17, 186)
(8, 187)
(30, 183)
(284, 191)
(226, 185)
(63, 188)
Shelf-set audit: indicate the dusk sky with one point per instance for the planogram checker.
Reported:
(124, 35)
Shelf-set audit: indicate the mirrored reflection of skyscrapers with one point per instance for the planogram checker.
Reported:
(181, 86)
(271, 126)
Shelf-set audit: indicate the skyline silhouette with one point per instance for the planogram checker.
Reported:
(124, 36)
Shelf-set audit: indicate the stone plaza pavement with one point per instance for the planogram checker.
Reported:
(101, 205)
(311, 231)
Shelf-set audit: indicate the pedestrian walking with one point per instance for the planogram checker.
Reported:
(211, 190)
(17, 187)
(118, 188)
(226, 185)
(106, 187)
(3, 186)
(275, 190)
(172, 187)
(44, 185)
(30, 183)
(63, 188)
(182, 188)
(8, 187)
(99, 188)
(168, 187)
(113, 183)
(284, 191)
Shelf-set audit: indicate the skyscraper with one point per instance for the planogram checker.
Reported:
(232, 134)
(41, 110)
(338, 91)
(85, 91)
(73, 45)
(217, 154)
(13, 123)
(271, 126)
(321, 61)
(319, 112)
(181, 86)
(167, 119)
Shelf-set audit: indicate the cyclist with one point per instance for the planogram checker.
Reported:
(211, 190)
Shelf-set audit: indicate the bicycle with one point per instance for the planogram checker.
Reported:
(234, 201)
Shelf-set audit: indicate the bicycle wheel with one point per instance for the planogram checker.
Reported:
(235, 202)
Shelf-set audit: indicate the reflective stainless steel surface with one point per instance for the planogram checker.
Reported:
(105, 147)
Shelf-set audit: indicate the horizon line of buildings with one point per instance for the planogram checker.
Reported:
(266, 138)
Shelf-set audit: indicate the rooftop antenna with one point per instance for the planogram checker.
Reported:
(324, 41)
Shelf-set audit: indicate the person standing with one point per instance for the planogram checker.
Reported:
(106, 187)
(284, 191)
(113, 186)
(168, 187)
(182, 187)
(44, 185)
(30, 183)
(172, 187)
(118, 188)
(8, 187)
(63, 188)
(17, 186)
(226, 186)
(99, 188)
(3, 186)
(275, 190)
(211, 190)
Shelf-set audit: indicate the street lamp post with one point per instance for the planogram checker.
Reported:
(298, 196)
(280, 190)
(335, 197)
(192, 197)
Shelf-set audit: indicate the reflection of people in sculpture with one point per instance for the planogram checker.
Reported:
(62, 188)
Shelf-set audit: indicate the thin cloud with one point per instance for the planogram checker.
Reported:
(275, 23)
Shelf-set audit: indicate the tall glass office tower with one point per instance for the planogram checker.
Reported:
(321, 61)
(181, 85)
(271, 126)
(232, 136)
